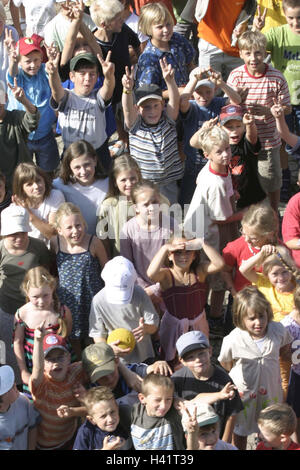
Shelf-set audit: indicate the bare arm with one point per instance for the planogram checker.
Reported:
(278, 113)
(108, 69)
(57, 90)
(98, 250)
(251, 129)
(247, 266)
(129, 109)
(20, 96)
(38, 356)
(19, 352)
(173, 103)
(229, 426)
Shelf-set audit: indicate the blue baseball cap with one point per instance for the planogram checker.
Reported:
(191, 341)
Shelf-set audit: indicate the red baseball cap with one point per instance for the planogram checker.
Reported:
(53, 341)
(32, 43)
(231, 111)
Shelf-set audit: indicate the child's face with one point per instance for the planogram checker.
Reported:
(203, 95)
(105, 415)
(220, 156)
(2, 190)
(83, 169)
(35, 190)
(115, 25)
(158, 401)
(208, 437)
(151, 111)
(252, 237)
(72, 228)
(256, 323)
(56, 364)
(161, 33)
(16, 241)
(110, 380)
(254, 60)
(269, 438)
(8, 398)
(125, 181)
(293, 18)
(235, 130)
(280, 278)
(31, 62)
(198, 361)
(40, 297)
(147, 205)
(182, 258)
(84, 80)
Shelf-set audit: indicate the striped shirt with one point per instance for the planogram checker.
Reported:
(155, 149)
(54, 431)
(262, 90)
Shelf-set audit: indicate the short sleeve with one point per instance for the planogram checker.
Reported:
(96, 325)
(56, 199)
(226, 350)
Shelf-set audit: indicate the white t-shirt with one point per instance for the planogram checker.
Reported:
(57, 29)
(49, 205)
(87, 198)
(132, 21)
(38, 14)
(210, 202)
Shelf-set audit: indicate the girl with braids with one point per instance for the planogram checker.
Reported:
(278, 283)
(43, 306)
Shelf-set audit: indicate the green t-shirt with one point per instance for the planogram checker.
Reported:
(284, 46)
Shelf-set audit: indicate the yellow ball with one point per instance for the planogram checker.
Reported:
(126, 338)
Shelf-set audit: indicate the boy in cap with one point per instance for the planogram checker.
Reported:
(200, 379)
(52, 385)
(27, 65)
(18, 253)
(152, 130)
(81, 111)
(123, 304)
(18, 418)
(104, 368)
(198, 104)
(201, 425)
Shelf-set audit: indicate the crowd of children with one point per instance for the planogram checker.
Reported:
(169, 235)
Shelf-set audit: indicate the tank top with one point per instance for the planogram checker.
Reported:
(185, 301)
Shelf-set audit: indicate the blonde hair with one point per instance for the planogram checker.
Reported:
(96, 394)
(103, 11)
(281, 257)
(279, 418)
(39, 277)
(210, 137)
(250, 40)
(66, 209)
(28, 173)
(262, 219)
(153, 13)
(120, 164)
(155, 380)
(250, 298)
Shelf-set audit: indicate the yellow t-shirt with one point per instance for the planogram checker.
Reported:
(275, 15)
(282, 303)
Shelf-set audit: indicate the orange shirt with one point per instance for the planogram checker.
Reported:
(218, 23)
(139, 3)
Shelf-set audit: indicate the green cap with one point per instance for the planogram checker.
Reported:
(83, 56)
(98, 360)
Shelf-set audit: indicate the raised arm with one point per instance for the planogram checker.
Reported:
(20, 96)
(129, 109)
(108, 69)
(75, 23)
(38, 356)
(251, 129)
(216, 262)
(247, 267)
(278, 113)
(155, 271)
(57, 90)
(174, 97)
(12, 51)
(216, 78)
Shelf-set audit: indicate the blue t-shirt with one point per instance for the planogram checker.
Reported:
(38, 91)
(192, 121)
(181, 54)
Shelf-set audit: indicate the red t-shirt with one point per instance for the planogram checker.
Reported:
(234, 254)
(292, 446)
(291, 224)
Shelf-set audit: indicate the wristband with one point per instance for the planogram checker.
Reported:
(127, 92)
